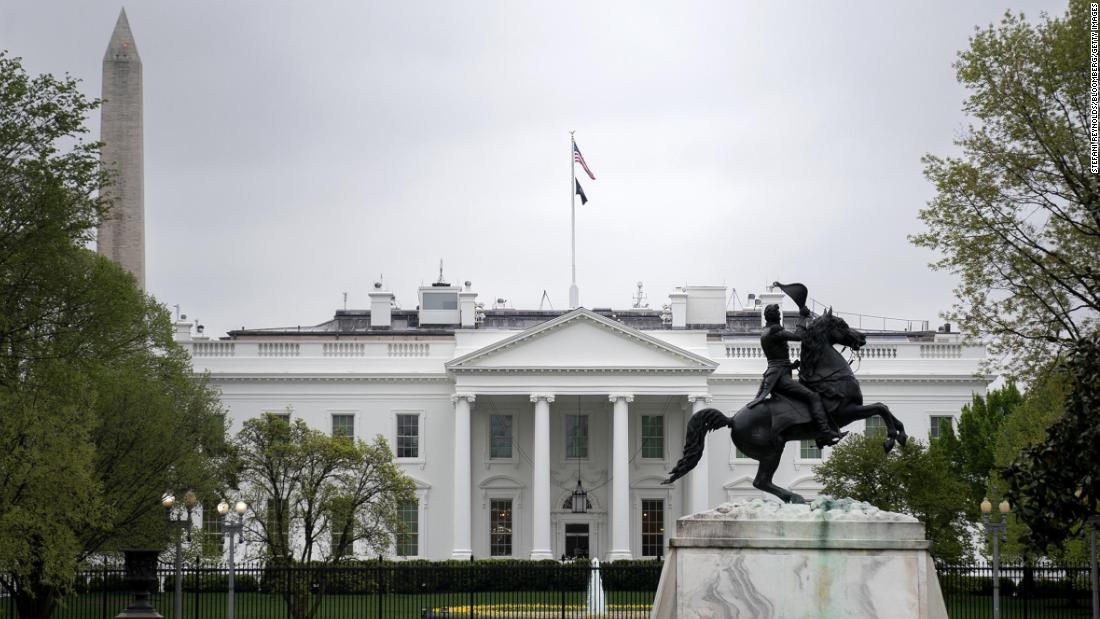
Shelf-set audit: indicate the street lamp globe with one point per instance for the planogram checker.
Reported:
(223, 508)
(168, 500)
(987, 507)
(241, 507)
(1004, 507)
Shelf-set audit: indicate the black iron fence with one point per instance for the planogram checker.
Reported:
(377, 590)
(1026, 591)
(505, 589)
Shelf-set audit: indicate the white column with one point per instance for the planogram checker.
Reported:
(540, 502)
(699, 478)
(620, 479)
(462, 548)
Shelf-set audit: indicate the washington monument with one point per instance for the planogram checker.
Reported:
(122, 235)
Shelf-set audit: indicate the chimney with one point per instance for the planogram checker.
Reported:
(380, 303)
(182, 330)
(467, 305)
(679, 302)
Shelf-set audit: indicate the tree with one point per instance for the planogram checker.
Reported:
(914, 479)
(1017, 215)
(1055, 484)
(1025, 426)
(314, 496)
(971, 449)
(99, 412)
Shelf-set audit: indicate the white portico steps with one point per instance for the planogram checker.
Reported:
(831, 558)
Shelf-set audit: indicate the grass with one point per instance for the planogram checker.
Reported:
(541, 604)
(390, 606)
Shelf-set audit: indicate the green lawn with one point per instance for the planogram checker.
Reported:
(536, 603)
(391, 606)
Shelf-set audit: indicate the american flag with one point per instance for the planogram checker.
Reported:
(579, 158)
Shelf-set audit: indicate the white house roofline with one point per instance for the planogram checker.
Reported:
(694, 361)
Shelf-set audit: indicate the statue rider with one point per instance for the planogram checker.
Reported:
(778, 378)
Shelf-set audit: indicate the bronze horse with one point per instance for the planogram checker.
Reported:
(761, 432)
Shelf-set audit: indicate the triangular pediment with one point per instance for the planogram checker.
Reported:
(581, 340)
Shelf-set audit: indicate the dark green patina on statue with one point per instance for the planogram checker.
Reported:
(825, 398)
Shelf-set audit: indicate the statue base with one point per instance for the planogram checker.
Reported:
(831, 558)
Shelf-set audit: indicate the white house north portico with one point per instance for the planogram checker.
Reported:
(578, 357)
(497, 414)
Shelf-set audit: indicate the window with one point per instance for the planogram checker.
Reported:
(653, 527)
(576, 436)
(809, 450)
(408, 436)
(218, 449)
(500, 436)
(939, 422)
(285, 416)
(211, 528)
(339, 520)
(653, 436)
(875, 425)
(278, 536)
(500, 527)
(343, 426)
(440, 300)
(408, 540)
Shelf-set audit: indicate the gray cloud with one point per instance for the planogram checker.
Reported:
(298, 150)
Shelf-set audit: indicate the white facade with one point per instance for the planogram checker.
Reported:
(440, 383)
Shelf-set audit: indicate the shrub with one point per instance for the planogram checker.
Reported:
(631, 575)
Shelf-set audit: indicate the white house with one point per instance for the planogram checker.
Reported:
(496, 413)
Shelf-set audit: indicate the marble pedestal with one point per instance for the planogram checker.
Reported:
(832, 558)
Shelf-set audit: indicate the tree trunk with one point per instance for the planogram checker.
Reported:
(35, 601)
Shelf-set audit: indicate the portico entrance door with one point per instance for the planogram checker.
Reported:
(577, 540)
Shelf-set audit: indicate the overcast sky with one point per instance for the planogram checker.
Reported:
(298, 150)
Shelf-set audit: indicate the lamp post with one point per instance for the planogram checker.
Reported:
(235, 532)
(181, 525)
(997, 532)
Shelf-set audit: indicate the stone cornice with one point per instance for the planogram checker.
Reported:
(581, 370)
(881, 378)
(700, 362)
(325, 378)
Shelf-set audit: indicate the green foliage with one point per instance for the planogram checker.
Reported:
(429, 577)
(971, 450)
(1054, 485)
(99, 414)
(914, 479)
(215, 583)
(1017, 215)
(298, 479)
(627, 575)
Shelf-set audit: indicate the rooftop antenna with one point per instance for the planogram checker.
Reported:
(545, 300)
(440, 271)
(640, 298)
(345, 301)
(733, 297)
(177, 306)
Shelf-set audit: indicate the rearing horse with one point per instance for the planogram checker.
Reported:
(761, 432)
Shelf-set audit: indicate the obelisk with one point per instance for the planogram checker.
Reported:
(122, 234)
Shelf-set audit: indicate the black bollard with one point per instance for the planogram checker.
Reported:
(141, 576)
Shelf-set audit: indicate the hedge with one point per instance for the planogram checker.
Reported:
(421, 576)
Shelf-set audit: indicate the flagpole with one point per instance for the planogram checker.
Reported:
(574, 293)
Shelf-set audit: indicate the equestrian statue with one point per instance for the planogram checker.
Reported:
(825, 398)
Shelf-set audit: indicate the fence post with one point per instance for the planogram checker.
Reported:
(378, 580)
(103, 584)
